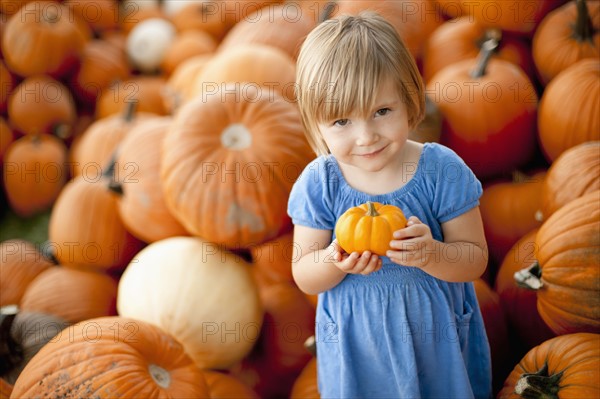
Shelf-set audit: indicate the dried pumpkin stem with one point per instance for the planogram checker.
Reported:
(371, 211)
(584, 28)
(530, 277)
(161, 376)
(485, 54)
(539, 385)
(327, 11)
(11, 352)
(130, 109)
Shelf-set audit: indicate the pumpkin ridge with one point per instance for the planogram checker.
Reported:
(560, 312)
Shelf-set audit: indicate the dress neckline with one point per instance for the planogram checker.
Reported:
(385, 196)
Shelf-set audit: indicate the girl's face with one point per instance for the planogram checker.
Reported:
(374, 143)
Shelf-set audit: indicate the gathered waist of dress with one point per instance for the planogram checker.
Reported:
(390, 273)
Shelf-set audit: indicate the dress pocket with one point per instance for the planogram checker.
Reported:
(463, 324)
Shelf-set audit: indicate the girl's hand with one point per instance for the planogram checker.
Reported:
(412, 245)
(354, 263)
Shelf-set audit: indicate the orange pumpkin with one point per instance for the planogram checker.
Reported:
(40, 104)
(369, 227)
(185, 46)
(34, 173)
(305, 385)
(5, 389)
(71, 294)
(489, 110)
(137, 181)
(281, 26)
(272, 260)
(567, 366)
(178, 88)
(85, 228)
(519, 304)
(569, 109)
(7, 85)
(20, 263)
(112, 357)
(567, 35)
(211, 18)
(6, 139)
(228, 164)
(509, 211)
(43, 38)
(145, 90)
(226, 386)
(100, 15)
(574, 173)
(566, 276)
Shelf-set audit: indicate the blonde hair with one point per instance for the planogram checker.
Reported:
(340, 65)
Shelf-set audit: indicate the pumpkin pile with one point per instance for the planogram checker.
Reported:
(148, 149)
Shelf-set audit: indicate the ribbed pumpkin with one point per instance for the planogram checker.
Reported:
(369, 227)
(43, 38)
(186, 45)
(251, 66)
(566, 276)
(92, 151)
(281, 26)
(208, 17)
(85, 228)
(229, 162)
(203, 296)
(574, 173)
(411, 19)
(489, 110)
(35, 171)
(305, 385)
(112, 357)
(145, 90)
(520, 304)
(8, 84)
(272, 260)
(137, 181)
(71, 294)
(178, 89)
(567, 35)
(100, 15)
(509, 211)
(20, 263)
(226, 386)
(101, 64)
(569, 109)
(22, 335)
(40, 104)
(563, 367)
(461, 39)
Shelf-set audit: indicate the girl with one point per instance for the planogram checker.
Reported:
(406, 325)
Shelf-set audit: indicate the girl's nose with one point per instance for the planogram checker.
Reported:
(366, 135)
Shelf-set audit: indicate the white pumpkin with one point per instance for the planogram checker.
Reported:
(148, 42)
(203, 296)
(171, 7)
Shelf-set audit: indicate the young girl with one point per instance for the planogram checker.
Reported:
(406, 325)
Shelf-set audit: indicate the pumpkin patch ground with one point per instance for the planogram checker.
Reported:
(148, 149)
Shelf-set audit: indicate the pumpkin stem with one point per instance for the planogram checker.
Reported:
(62, 131)
(327, 11)
(130, 109)
(311, 345)
(11, 353)
(47, 251)
(161, 376)
(485, 54)
(371, 211)
(530, 277)
(584, 28)
(115, 187)
(539, 385)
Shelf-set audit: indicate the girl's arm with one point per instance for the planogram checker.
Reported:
(461, 257)
(319, 264)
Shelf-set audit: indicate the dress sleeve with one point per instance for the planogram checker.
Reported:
(310, 201)
(457, 189)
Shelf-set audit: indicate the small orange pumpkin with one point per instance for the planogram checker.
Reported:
(369, 227)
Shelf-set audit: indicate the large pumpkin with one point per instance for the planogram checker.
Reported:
(566, 276)
(228, 164)
(574, 173)
(489, 112)
(226, 386)
(569, 108)
(112, 357)
(305, 385)
(567, 366)
(567, 35)
(203, 296)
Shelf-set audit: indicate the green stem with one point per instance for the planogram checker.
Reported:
(371, 211)
(539, 385)
(584, 28)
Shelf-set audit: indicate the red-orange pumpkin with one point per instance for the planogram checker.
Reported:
(8, 82)
(229, 162)
(567, 278)
(272, 261)
(6, 138)
(112, 357)
(226, 386)
(569, 108)
(574, 173)
(305, 385)
(5, 389)
(563, 367)
(20, 263)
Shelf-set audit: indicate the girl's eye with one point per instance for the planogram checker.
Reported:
(382, 111)
(341, 122)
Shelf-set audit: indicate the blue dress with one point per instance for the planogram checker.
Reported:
(398, 332)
